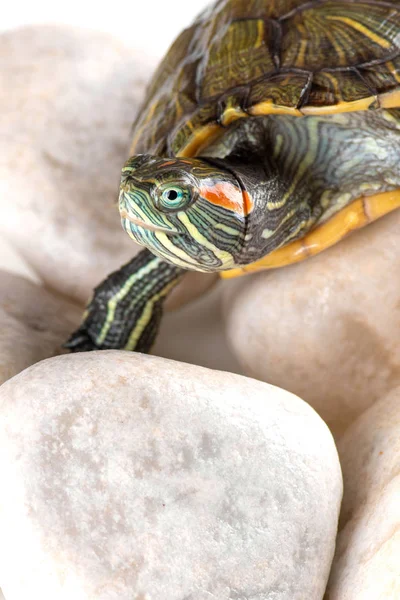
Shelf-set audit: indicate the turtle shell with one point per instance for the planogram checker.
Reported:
(257, 57)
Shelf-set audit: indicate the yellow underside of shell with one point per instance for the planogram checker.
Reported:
(204, 136)
(356, 215)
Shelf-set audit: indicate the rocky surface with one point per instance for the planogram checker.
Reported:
(123, 472)
(68, 99)
(326, 329)
(366, 565)
(67, 121)
(85, 89)
(34, 323)
(195, 334)
(126, 475)
(12, 262)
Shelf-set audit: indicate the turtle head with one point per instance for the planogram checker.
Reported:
(187, 211)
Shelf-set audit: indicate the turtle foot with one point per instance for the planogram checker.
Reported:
(81, 341)
(126, 309)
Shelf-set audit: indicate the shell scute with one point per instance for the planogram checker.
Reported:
(195, 128)
(254, 57)
(382, 77)
(343, 86)
(178, 58)
(283, 89)
(339, 35)
(236, 58)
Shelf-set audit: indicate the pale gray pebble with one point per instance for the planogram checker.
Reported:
(129, 476)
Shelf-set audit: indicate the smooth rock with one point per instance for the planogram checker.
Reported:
(195, 334)
(367, 561)
(129, 476)
(12, 262)
(68, 98)
(34, 323)
(85, 88)
(326, 329)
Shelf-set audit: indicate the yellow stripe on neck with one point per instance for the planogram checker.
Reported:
(356, 215)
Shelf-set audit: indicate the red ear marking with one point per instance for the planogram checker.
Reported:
(248, 203)
(228, 196)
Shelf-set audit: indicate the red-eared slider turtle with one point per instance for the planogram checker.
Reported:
(270, 130)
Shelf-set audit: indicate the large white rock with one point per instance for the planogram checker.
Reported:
(129, 476)
(68, 98)
(326, 329)
(367, 561)
(34, 323)
(12, 262)
(59, 210)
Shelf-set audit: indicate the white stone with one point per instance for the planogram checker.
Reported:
(128, 476)
(12, 262)
(59, 211)
(68, 98)
(195, 334)
(367, 561)
(34, 323)
(65, 132)
(327, 329)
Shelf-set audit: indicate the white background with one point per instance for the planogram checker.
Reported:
(150, 25)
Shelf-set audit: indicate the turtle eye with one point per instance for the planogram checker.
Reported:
(172, 197)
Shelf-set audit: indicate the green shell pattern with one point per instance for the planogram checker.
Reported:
(254, 57)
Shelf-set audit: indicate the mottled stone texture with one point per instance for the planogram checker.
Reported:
(326, 329)
(129, 476)
(367, 560)
(68, 99)
(34, 323)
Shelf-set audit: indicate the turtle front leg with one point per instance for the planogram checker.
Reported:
(126, 309)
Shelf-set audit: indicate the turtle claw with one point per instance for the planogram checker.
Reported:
(80, 341)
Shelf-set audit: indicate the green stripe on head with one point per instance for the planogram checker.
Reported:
(186, 211)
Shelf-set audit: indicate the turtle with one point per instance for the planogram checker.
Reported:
(270, 131)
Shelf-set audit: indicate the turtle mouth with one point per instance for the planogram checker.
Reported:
(125, 215)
